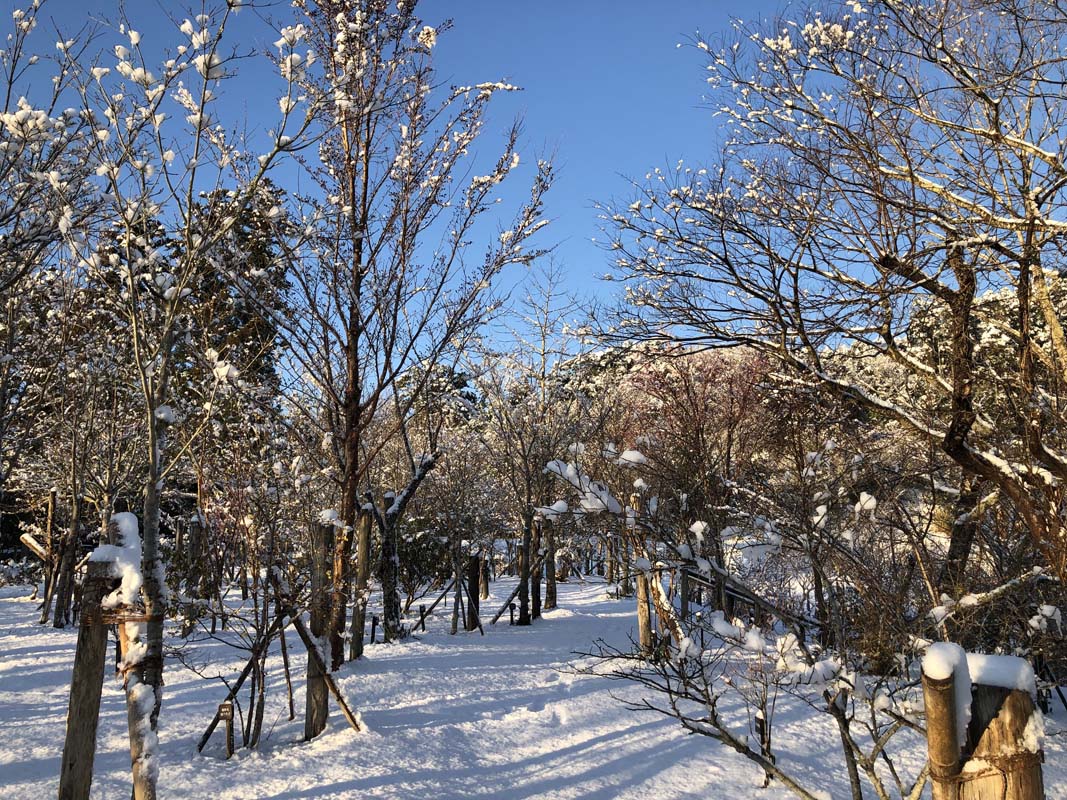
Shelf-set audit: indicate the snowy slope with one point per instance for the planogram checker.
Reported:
(504, 716)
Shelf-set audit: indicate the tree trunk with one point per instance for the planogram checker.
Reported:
(457, 595)
(65, 574)
(964, 529)
(50, 559)
(627, 587)
(144, 680)
(535, 577)
(486, 576)
(389, 569)
(316, 708)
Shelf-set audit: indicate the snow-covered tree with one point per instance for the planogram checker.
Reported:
(383, 278)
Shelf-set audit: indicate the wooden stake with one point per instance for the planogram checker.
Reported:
(474, 573)
(83, 713)
(942, 739)
(644, 616)
(225, 713)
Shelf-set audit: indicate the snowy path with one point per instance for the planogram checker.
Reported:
(450, 717)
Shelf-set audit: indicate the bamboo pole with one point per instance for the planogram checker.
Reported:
(942, 737)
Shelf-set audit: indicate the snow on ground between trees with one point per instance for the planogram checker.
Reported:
(504, 716)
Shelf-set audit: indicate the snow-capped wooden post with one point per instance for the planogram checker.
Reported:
(983, 730)
(87, 681)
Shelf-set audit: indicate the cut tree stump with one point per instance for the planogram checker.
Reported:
(1000, 766)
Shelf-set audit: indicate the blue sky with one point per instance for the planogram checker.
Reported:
(608, 94)
(606, 89)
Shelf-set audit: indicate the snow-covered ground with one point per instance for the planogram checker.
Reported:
(504, 716)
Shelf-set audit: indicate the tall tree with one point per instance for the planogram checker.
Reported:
(533, 411)
(149, 238)
(382, 277)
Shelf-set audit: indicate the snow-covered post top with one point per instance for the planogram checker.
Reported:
(125, 559)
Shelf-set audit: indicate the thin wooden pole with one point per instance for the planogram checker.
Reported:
(942, 737)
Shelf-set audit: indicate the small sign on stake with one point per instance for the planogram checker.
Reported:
(226, 715)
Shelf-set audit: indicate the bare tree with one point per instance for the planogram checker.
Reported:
(382, 278)
(533, 412)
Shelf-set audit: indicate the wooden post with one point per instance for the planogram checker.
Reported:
(999, 759)
(550, 567)
(1000, 767)
(483, 592)
(362, 579)
(316, 707)
(474, 573)
(644, 616)
(373, 628)
(422, 616)
(226, 715)
(942, 738)
(83, 712)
